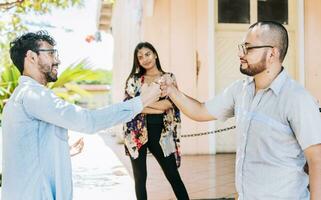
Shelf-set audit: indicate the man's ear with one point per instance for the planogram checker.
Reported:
(272, 55)
(275, 53)
(30, 55)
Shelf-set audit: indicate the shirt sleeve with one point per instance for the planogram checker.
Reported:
(222, 105)
(304, 119)
(44, 105)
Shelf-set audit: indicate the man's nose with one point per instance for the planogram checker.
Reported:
(240, 54)
(57, 61)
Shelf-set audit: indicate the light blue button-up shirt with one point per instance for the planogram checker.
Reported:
(36, 159)
(274, 126)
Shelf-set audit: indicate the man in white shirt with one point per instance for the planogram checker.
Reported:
(36, 159)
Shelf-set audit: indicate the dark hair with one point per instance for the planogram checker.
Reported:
(278, 33)
(137, 69)
(28, 41)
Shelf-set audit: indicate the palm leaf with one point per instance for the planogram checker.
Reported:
(76, 89)
(75, 73)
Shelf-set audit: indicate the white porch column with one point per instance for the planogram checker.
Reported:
(126, 30)
(211, 67)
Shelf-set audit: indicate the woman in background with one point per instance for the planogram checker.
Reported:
(157, 128)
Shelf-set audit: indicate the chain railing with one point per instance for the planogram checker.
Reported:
(209, 132)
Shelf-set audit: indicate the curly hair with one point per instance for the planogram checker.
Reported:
(28, 41)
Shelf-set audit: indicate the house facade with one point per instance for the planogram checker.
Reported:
(197, 41)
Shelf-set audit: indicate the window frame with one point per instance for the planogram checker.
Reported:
(292, 18)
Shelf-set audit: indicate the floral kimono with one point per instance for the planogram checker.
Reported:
(135, 131)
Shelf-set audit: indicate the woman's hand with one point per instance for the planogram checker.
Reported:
(167, 85)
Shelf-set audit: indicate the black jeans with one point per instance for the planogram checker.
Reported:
(168, 164)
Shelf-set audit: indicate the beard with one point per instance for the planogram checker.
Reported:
(51, 77)
(254, 69)
(48, 72)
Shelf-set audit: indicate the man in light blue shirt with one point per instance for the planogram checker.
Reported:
(278, 122)
(36, 159)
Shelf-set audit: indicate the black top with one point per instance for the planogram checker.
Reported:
(154, 118)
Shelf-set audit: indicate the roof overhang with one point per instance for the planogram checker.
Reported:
(104, 15)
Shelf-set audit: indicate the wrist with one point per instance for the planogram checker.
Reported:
(172, 91)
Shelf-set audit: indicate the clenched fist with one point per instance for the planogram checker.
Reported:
(167, 85)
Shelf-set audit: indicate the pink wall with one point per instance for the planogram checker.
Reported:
(156, 30)
(178, 29)
(312, 12)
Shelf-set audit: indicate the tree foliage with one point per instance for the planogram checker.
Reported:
(13, 12)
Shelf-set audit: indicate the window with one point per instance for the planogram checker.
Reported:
(245, 11)
(276, 10)
(234, 11)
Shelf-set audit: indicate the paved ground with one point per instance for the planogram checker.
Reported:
(98, 173)
(102, 171)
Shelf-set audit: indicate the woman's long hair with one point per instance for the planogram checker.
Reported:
(137, 69)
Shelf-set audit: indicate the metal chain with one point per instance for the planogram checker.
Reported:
(209, 132)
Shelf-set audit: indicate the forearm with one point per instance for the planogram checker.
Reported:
(190, 107)
(315, 179)
(109, 116)
(312, 155)
(161, 105)
(149, 110)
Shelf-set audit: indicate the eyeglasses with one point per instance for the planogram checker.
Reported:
(52, 52)
(245, 49)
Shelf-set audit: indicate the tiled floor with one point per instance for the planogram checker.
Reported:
(205, 176)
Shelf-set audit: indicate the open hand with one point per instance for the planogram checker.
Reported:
(76, 147)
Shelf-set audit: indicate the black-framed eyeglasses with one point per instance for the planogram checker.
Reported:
(245, 49)
(52, 52)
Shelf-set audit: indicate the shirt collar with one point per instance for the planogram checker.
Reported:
(26, 80)
(276, 84)
(249, 80)
(279, 81)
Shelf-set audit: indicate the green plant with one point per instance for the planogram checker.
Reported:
(105, 78)
(71, 76)
(8, 82)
